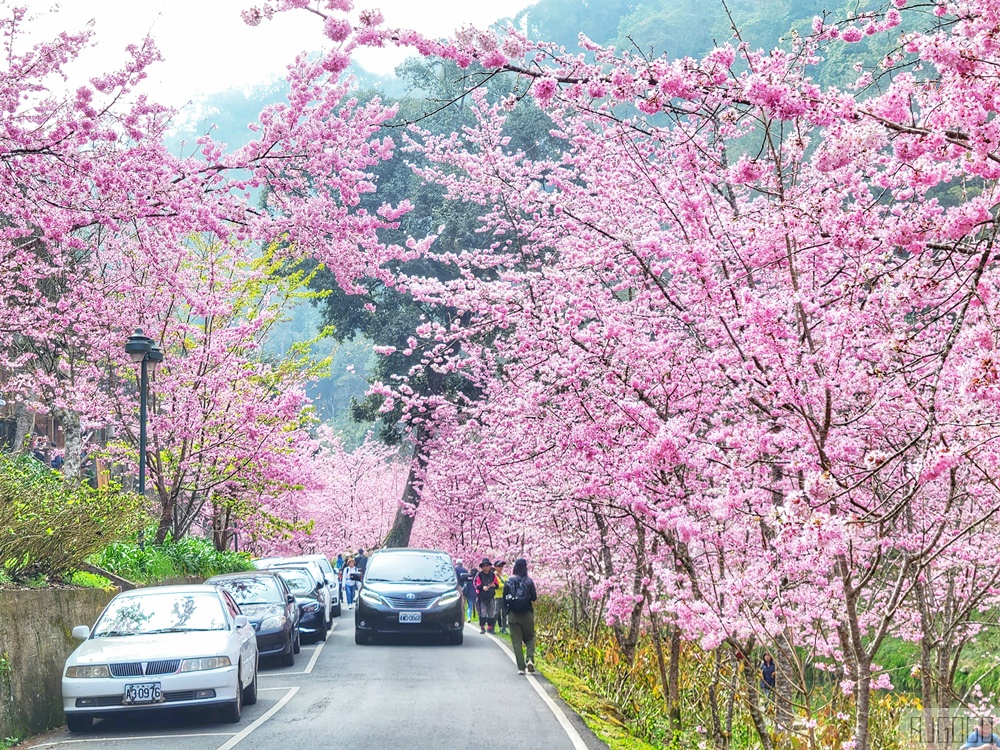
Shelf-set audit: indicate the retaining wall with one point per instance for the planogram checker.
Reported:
(35, 639)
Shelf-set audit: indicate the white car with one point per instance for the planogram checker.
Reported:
(162, 647)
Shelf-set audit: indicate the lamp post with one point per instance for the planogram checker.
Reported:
(145, 353)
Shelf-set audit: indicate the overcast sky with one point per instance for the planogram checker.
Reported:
(207, 47)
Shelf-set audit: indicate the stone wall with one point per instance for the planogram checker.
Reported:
(35, 639)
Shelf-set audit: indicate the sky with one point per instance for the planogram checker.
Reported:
(207, 47)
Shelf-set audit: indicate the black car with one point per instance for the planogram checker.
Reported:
(410, 591)
(307, 592)
(266, 600)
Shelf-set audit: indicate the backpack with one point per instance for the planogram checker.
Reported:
(517, 597)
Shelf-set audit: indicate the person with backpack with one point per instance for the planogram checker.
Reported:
(487, 584)
(519, 596)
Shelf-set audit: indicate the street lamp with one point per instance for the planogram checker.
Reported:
(145, 353)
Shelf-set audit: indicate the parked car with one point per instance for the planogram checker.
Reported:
(410, 591)
(266, 600)
(325, 594)
(162, 647)
(329, 575)
(305, 588)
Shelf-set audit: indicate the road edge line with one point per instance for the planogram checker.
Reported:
(319, 650)
(234, 741)
(574, 736)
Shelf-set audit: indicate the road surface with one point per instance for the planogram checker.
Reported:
(397, 693)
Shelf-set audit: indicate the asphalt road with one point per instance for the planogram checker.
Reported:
(397, 693)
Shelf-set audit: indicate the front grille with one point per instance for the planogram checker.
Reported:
(167, 666)
(133, 669)
(419, 601)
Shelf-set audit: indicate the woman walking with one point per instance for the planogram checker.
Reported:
(486, 587)
(350, 585)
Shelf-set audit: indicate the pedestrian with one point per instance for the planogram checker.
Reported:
(361, 560)
(501, 610)
(339, 564)
(350, 585)
(486, 586)
(519, 596)
(982, 737)
(471, 598)
(767, 675)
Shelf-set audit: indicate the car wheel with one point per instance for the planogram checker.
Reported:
(231, 713)
(456, 638)
(360, 638)
(335, 612)
(250, 691)
(288, 657)
(79, 722)
(298, 642)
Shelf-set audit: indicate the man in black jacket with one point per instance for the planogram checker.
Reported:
(518, 599)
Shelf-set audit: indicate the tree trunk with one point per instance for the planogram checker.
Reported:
(402, 524)
(674, 681)
(24, 421)
(73, 442)
(863, 704)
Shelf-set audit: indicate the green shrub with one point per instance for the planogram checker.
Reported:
(189, 556)
(83, 579)
(49, 525)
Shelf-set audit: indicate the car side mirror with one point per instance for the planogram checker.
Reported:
(242, 621)
(355, 576)
(290, 599)
(81, 632)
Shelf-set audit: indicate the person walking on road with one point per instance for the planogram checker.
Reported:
(361, 560)
(501, 610)
(519, 596)
(486, 587)
(471, 598)
(350, 585)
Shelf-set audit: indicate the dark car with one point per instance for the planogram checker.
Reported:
(410, 591)
(307, 592)
(268, 603)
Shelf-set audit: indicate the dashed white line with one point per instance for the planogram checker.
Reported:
(574, 736)
(257, 724)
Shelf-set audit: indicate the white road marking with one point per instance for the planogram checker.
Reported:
(237, 739)
(286, 687)
(309, 666)
(143, 738)
(574, 736)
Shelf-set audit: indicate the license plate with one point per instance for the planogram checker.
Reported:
(143, 692)
(413, 617)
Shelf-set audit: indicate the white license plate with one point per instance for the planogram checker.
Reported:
(413, 617)
(143, 692)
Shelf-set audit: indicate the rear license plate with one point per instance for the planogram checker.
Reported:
(143, 692)
(412, 617)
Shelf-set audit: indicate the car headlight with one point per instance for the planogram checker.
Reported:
(372, 598)
(207, 662)
(90, 670)
(450, 598)
(310, 607)
(273, 623)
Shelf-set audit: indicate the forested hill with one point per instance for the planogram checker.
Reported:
(677, 28)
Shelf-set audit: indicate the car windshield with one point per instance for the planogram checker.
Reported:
(252, 589)
(161, 613)
(299, 581)
(412, 567)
